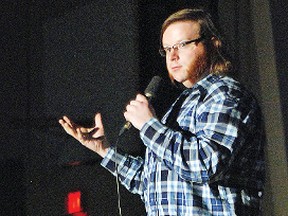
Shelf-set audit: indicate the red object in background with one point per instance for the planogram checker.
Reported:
(74, 202)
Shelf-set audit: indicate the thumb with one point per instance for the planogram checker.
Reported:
(98, 120)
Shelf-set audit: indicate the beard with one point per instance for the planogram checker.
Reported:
(196, 71)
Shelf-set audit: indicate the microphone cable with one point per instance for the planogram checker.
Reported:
(150, 93)
(117, 180)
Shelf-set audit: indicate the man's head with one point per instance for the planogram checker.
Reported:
(192, 46)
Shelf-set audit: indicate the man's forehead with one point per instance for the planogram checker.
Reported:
(181, 29)
(191, 26)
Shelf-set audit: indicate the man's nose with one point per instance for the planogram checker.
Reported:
(173, 54)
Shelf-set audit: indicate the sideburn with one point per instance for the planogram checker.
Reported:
(200, 68)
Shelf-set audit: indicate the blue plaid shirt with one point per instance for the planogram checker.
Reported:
(210, 163)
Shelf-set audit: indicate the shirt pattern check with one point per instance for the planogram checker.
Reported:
(211, 164)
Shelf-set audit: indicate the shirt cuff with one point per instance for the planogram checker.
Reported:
(112, 158)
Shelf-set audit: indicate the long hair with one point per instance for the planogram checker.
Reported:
(218, 64)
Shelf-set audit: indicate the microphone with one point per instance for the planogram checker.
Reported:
(150, 93)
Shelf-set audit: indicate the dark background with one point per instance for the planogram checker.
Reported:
(65, 57)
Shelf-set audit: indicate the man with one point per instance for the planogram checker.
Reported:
(204, 157)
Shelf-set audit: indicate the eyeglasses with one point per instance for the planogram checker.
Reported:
(181, 45)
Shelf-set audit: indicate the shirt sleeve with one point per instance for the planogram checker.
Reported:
(129, 169)
(209, 138)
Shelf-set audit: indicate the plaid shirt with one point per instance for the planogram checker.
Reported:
(210, 163)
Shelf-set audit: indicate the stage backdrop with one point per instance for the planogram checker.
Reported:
(73, 58)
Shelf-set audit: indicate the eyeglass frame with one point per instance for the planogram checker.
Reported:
(183, 43)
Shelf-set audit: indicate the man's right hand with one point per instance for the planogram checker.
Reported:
(93, 138)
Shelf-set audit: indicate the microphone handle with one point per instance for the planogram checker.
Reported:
(128, 124)
(125, 127)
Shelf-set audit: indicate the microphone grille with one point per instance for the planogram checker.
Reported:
(153, 86)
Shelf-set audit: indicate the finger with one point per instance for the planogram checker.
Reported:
(134, 103)
(63, 120)
(68, 121)
(98, 120)
(132, 107)
(67, 128)
(141, 98)
(126, 115)
(63, 123)
(79, 135)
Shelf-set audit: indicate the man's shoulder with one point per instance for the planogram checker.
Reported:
(218, 82)
(214, 80)
(222, 86)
